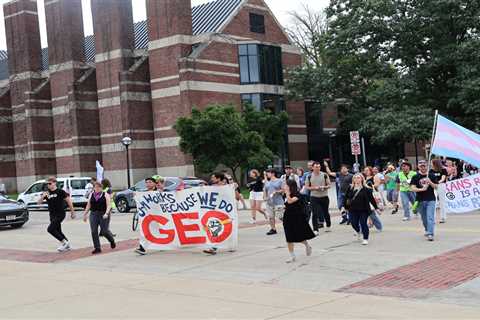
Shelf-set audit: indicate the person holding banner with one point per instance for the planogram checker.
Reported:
(99, 207)
(151, 183)
(297, 229)
(424, 183)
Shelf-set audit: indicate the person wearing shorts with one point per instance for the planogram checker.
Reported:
(275, 203)
(256, 195)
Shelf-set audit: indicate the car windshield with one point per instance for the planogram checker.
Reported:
(140, 186)
(2, 198)
(79, 184)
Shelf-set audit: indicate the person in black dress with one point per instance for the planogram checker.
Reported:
(99, 204)
(296, 227)
(357, 201)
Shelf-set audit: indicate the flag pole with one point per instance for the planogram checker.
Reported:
(433, 139)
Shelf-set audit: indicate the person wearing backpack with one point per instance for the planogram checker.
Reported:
(357, 201)
(318, 183)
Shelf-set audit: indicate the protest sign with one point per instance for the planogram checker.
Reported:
(460, 196)
(198, 217)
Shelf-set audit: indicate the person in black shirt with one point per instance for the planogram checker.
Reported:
(99, 204)
(358, 199)
(424, 184)
(152, 185)
(441, 175)
(344, 178)
(296, 228)
(56, 199)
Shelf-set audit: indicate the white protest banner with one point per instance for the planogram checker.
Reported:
(201, 217)
(460, 196)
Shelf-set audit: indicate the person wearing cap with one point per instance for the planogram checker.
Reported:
(290, 175)
(56, 199)
(160, 183)
(407, 197)
(424, 184)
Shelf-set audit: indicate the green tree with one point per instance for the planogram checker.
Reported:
(222, 135)
(394, 62)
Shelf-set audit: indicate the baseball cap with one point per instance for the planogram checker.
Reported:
(422, 163)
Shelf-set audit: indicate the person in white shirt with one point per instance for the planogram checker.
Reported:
(89, 187)
(290, 175)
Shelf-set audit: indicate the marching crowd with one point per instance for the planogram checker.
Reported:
(299, 198)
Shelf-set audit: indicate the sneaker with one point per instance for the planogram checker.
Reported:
(253, 221)
(320, 226)
(141, 251)
(96, 251)
(316, 232)
(64, 247)
(443, 220)
(430, 237)
(291, 260)
(328, 229)
(309, 251)
(405, 219)
(364, 242)
(271, 232)
(113, 245)
(344, 220)
(211, 251)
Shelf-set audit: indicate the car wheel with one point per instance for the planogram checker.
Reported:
(16, 226)
(122, 205)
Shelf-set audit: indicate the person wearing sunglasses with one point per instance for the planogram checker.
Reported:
(56, 199)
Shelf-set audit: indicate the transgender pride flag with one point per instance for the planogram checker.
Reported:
(452, 140)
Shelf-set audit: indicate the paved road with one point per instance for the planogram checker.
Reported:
(253, 282)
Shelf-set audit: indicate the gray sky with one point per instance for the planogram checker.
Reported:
(279, 7)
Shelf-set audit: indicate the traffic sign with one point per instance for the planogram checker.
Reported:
(356, 149)
(354, 137)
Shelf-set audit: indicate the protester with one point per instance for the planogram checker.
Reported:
(151, 184)
(56, 199)
(256, 195)
(99, 205)
(440, 173)
(217, 179)
(424, 183)
(238, 193)
(318, 183)
(305, 193)
(379, 181)
(89, 187)
(107, 188)
(358, 199)
(275, 203)
(290, 174)
(297, 229)
(300, 174)
(407, 197)
(391, 176)
(370, 183)
(344, 180)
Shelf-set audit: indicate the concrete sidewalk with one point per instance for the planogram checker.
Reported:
(253, 282)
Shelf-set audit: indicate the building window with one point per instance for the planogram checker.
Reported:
(260, 64)
(257, 23)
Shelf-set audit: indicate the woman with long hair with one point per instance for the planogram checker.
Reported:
(297, 229)
(357, 201)
(256, 195)
(369, 177)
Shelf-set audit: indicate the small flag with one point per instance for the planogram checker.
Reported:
(99, 171)
(454, 141)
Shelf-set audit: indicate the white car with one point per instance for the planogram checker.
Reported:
(74, 186)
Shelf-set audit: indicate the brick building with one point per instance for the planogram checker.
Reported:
(65, 106)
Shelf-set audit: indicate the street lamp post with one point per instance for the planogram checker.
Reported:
(127, 141)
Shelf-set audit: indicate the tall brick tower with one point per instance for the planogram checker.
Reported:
(114, 45)
(170, 39)
(76, 150)
(30, 94)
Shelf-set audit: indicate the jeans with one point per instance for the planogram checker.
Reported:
(55, 227)
(359, 222)
(96, 220)
(407, 198)
(376, 220)
(320, 212)
(427, 211)
(340, 199)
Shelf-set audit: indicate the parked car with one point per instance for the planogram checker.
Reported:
(12, 213)
(74, 186)
(124, 200)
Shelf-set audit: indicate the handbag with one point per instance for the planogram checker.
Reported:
(348, 202)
